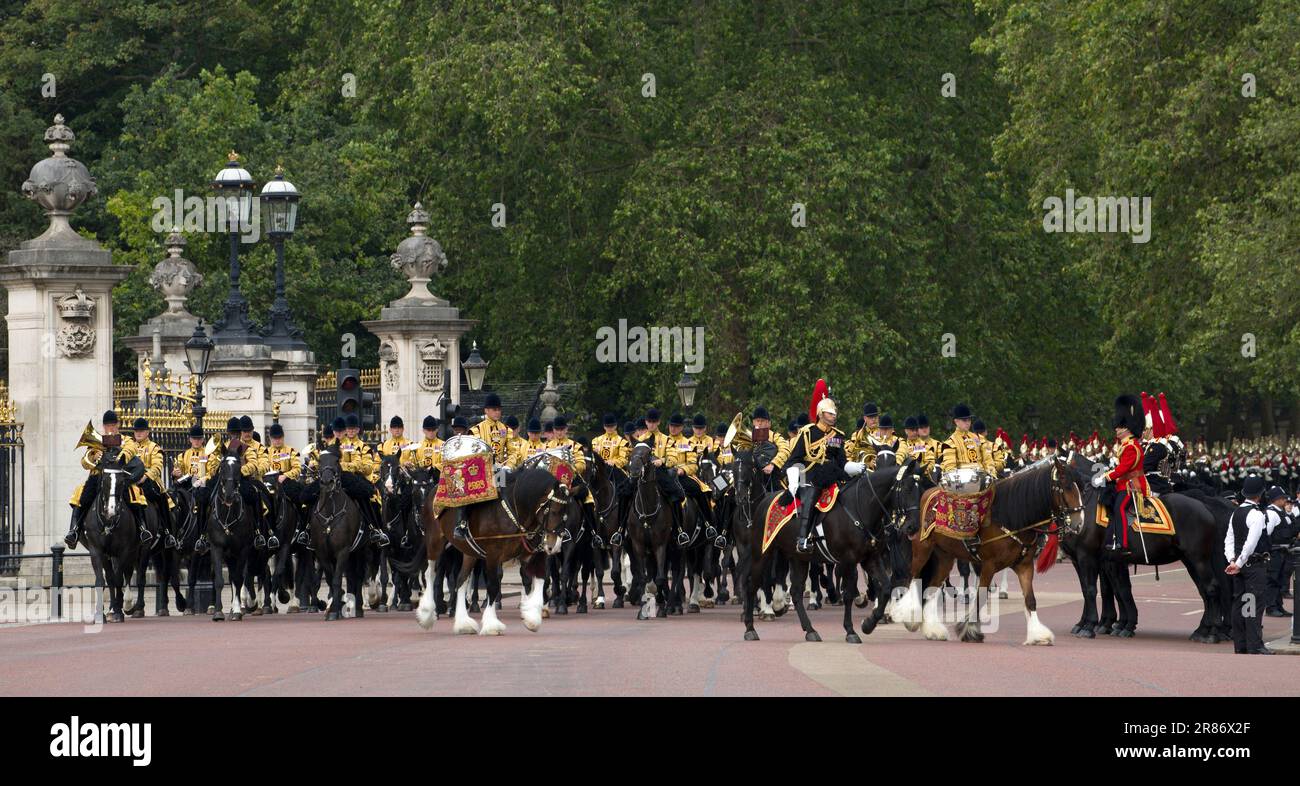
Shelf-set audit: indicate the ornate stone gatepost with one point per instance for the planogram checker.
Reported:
(175, 277)
(60, 325)
(419, 334)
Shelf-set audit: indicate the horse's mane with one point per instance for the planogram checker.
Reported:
(1024, 497)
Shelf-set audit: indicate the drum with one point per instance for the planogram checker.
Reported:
(464, 445)
(557, 461)
(965, 482)
(467, 472)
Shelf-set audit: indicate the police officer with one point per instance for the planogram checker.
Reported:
(1281, 534)
(1246, 547)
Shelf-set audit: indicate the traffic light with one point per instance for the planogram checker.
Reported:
(353, 400)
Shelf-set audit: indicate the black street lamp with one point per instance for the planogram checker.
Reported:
(234, 186)
(198, 352)
(686, 389)
(280, 212)
(475, 369)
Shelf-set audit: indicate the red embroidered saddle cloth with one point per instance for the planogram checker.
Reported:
(956, 517)
(778, 514)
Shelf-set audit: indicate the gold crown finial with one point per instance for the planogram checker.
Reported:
(232, 156)
(279, 168)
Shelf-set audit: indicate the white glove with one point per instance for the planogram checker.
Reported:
(1098, 481)
(854, 468)
(793, 476)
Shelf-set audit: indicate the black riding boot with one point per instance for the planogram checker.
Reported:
(462, 523)
(377, 534)
(624, 503)
(806, 501)
(74, 529)
(676, 507)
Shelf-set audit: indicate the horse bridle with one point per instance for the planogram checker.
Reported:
(641, 515)
(222, 500)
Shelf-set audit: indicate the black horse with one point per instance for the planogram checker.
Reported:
(862, 528)
(112, 534)
(402, 491)
(231, 527)
(649, 530)
(338, 538)
(604, 484)
(1197, 543)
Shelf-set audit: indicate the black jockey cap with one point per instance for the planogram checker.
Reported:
(1274, 492)
(720, 430)
(560, 422)
(961, 412)
(641, 425)
(610, 419)
(110, 416)
(338, 424)
(760, 413)
(548, 425)
(922, 421)
(699, 421)
(492, 401)
(676, 419)
(430, 423)
(245, 423)
(232, 426)
(276, 430)
(512, 422)
(396, 422)
(652, 414)
(140, 424)
(910, 422)
(1252, 486)
(196, 431)
(628, 427)
(977, 426)
(886, 421)
(792, 426)
(327, 431)
(534, 426)
(870, 410)
(802, 420)
(457, 422)
(351, 421)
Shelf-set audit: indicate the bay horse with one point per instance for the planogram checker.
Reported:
(112, 535)
(523, 523)
(231, 527)
(1200, 527)
(862, 528)
(1025, 505)
(338, 537)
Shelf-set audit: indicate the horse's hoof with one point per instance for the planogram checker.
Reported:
(693, 609)
(1075, 630)
(383, 607)
(751, 635)
(162, 613)
(257, 611)
(598, 603)
(618, 603)
(137, 614)
(218, 617)
(723, 597)
(1125, 634)
(582, 608)
(1102, 630)
(661, 612)
(312, 609)
(734, 601)
(641, 615)
(677, 611)
(812, 635)
(546, 613)
(331, 616)
(212, 609)
(852, 638)
(868, 625)
(769, 618)
(292, 610)
(782, 611)
(117, 617)
(561, 609)
(188, 613)
(1084, 633)
(237, 616)
(707, 603)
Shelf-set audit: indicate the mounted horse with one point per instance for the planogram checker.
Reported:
(1002, 526)
(577, 554)
(522, 522)
(402, 490)
(605, 482)
(338, 537)
(861, 527)
(111, 527)
(649, 532)
(1193, 535)
(231, 527)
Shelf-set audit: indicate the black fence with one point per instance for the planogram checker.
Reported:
(13, 475)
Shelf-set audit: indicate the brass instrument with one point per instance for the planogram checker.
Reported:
(738, 433)
(90, 438)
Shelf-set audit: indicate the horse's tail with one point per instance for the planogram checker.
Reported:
(1047, 557)
(415, 565)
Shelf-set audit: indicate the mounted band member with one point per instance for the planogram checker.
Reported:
(427, 453)
(150, 454)
(284, 464)
(396, 441)
(192, 470)
(358, 464)
(883, 447)
(686, 471)
(817, 462)
(1130, 484)
(923, 447)
(254, 456)
(858, 446)
(771, 450)
(494, 432)
(84, 495)
(965, 464)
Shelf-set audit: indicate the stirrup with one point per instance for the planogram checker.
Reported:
(683, 538)
(71, 539)
(710, 531)
(201, 545)
(379, 537)
(617, 538)
(259, 542)
(720, 542)
(172, 542)
(302, 538)
(803, 545)
(273, 542)
(145, 535)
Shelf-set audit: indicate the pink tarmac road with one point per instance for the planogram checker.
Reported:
(610, 653)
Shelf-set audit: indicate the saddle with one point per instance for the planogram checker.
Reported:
(778, 515)
(1153, 517)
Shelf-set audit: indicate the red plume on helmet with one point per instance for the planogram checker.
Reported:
(1170, 427)
(1148, 409)
(820, 391)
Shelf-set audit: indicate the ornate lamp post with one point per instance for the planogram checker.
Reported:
(198, 351)
(475, 369)
(234, 185)
(686, 389)
(280, 213)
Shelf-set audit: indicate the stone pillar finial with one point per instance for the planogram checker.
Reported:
(175, 277)
(59, 184)
(550, 396)
(419, 257)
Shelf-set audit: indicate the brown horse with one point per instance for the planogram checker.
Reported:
(523, 523)
(1024, 507)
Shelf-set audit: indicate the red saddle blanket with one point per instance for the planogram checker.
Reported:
(956, 517)
(778, 514)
